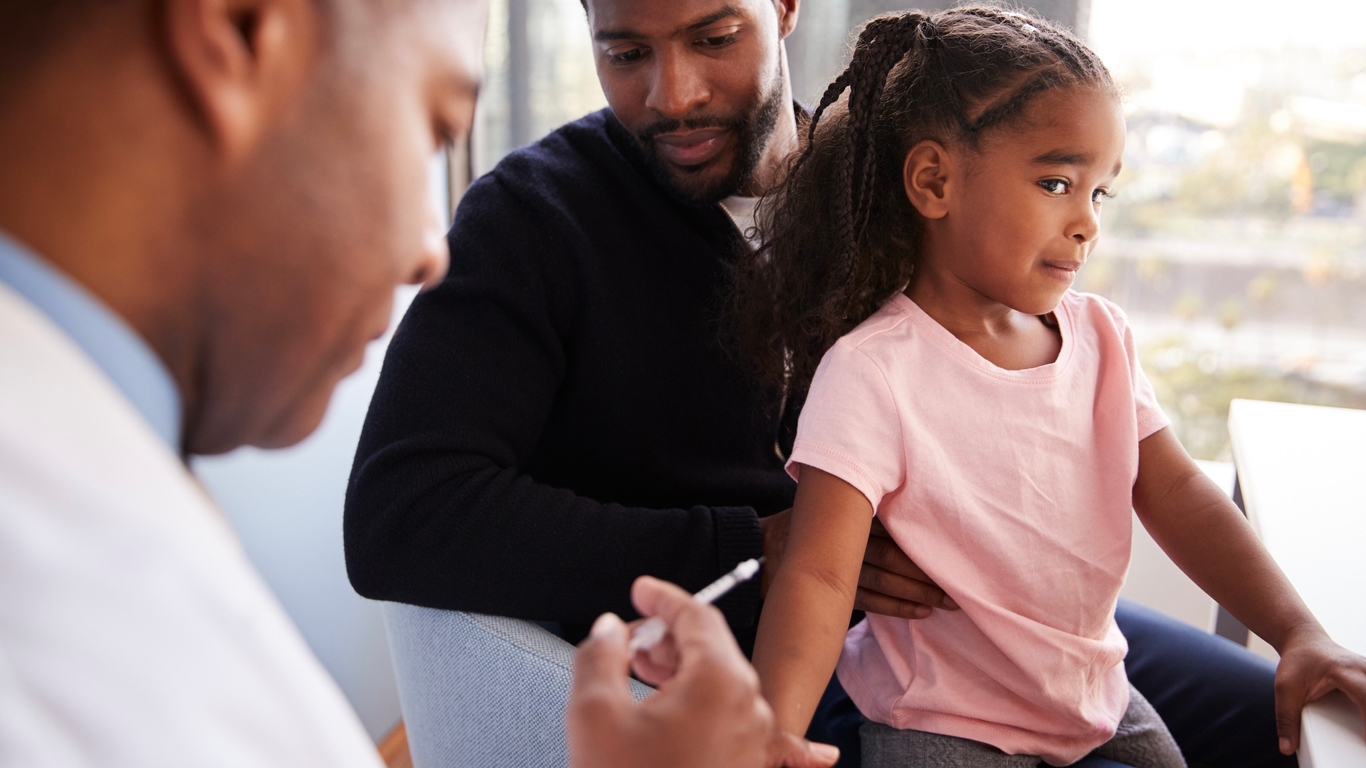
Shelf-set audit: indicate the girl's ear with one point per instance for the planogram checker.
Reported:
(927, 177)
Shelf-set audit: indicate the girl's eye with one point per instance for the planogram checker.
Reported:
(1054, 186)
(629, 56)
(1101, 195)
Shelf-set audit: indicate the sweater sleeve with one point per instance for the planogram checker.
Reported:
(440, 510)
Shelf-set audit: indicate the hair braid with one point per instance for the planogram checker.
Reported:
(840, 236)
(883, 43)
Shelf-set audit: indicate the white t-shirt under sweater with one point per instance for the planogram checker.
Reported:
(741, 211)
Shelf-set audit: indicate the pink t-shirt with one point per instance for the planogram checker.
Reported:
(1013, 491)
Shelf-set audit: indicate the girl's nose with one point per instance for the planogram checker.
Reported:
(1086, 227)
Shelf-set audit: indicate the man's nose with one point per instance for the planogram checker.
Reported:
(436, 255)
(678, 87)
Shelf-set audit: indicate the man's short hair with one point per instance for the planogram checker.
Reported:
(29, 28)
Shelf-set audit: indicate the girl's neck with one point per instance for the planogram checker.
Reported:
(1005, 337)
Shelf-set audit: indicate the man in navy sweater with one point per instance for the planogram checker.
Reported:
(559, 416)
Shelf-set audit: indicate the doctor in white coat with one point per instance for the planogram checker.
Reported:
(205, 207)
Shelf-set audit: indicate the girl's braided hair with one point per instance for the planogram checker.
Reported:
(839, 236)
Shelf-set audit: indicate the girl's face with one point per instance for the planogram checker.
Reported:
(1015, 219)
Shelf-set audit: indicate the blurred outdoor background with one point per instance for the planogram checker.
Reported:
(1238, 241)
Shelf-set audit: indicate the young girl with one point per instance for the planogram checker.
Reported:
(913, 284)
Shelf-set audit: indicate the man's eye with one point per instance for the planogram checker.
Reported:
(1055, 186)
(627, 56)
(718, 41)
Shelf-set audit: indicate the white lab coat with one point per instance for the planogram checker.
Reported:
(133, 630)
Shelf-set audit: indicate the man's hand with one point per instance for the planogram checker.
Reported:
(889, 584)
(708, 710)
(1311, 666)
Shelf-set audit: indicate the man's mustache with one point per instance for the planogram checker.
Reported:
(670, 125)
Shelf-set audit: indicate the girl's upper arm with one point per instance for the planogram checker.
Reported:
(1163, 466)
(830, 524)
(806, 613)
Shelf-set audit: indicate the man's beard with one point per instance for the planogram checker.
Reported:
(752, 133)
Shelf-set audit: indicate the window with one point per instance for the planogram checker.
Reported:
(539, 75)
(1238, 241)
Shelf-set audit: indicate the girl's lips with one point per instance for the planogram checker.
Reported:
(693, 147)
(1063, 271)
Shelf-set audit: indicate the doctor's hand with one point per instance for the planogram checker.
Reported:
(889, 584)
(658, 664)
(708, 711)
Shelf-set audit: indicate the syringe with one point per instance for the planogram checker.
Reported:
(654, 629)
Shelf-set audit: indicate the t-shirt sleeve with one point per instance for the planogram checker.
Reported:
(1151, 418)
(849, 425)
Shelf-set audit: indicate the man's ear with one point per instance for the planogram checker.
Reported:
(787, 16)
(241, 63)
(928, 177)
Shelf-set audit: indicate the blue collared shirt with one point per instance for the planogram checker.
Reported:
(105, 337)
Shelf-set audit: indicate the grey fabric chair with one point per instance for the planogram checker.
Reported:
(481, 691)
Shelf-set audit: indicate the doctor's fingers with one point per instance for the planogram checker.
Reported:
(601, 718)
(703, 647)
(600, 669)
(697, 629)
(713, 711)
(657, 663)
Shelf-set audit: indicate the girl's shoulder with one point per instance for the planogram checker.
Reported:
(1100, 330)
(1093, 311)
(892, 323)
(877, 344)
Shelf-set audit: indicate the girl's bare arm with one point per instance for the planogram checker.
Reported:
(806, 612)
(1197, 525)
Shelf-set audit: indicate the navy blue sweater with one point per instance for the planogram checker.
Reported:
(557, 417)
